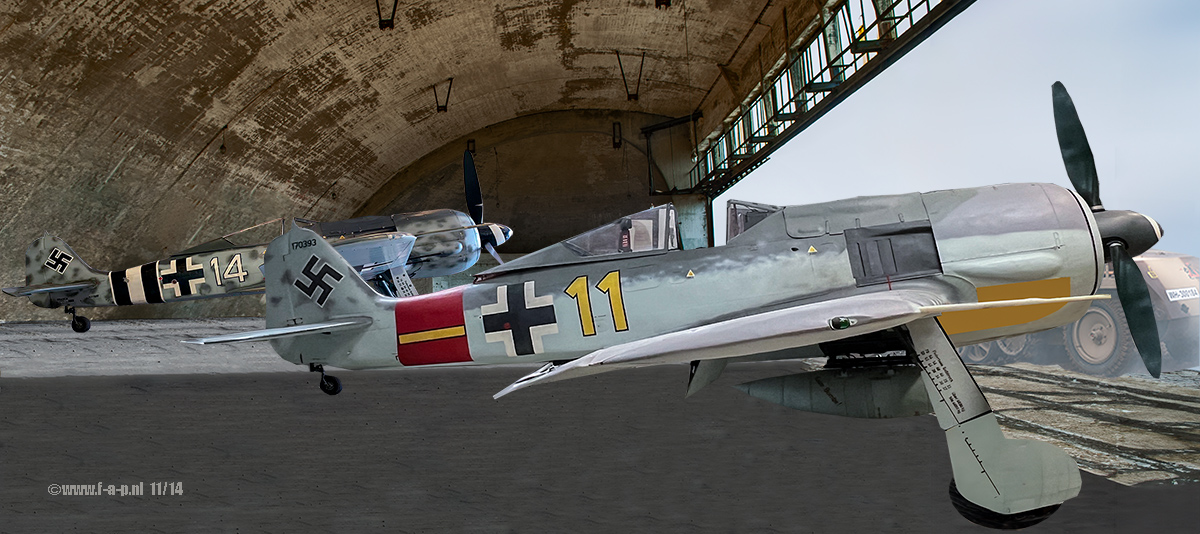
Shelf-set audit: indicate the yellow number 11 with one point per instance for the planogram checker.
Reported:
(610, 285)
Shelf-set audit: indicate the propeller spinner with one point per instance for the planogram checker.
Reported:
(1125, 234)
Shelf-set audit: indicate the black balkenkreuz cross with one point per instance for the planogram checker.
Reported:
(182, 276)
(317, 280)
(59, 261)
(519, 319)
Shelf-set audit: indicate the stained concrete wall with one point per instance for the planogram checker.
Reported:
(548, 176)
(135, 128)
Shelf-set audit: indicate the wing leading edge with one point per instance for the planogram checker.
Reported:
(798, 326)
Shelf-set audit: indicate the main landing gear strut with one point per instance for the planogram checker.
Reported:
(79, 323)
(329, 383)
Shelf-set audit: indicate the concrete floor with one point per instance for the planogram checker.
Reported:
(429, 450)
(44, 349)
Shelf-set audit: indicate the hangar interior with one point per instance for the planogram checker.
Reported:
(134, 128)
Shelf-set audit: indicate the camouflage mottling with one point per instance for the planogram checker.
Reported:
(440, 250)
(374, 346)
(102, 294)
(446, 244)
(832, 218)
(37, 273)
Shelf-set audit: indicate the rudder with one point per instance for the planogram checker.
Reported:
(49, 260)
(308, 282)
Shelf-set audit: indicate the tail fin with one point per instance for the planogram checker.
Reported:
(308, 282)
(56, 275)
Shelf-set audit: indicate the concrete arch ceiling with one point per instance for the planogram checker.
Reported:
(133, 128)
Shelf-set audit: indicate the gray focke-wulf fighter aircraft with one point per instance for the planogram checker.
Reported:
(387, 251)
(916, 273)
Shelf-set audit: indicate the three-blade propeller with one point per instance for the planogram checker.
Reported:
(1124, 233)
(471, 184)
(1073, 143)
(475, 203)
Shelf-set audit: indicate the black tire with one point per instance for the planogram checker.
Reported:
(978, 354)
(983, 517)
(1099, 343)
(331, 385)
(81, 324)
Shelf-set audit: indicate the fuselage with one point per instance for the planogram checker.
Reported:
(447, 242)
(992, 243)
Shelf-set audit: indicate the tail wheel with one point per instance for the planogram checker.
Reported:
(978, 354)
(331, 385)
(81, 324)
(987, 518)
(1099, 343)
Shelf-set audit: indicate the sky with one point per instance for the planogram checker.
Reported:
(971, 106)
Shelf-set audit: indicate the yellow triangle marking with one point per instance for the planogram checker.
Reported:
(690, 274)
(812, 249)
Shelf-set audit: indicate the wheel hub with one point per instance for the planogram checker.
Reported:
(1098, 334)
(1013, 346)
(1095, 337)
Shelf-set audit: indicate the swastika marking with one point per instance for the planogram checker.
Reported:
(59, 261)
(316, 280)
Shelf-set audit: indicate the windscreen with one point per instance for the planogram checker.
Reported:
(653, 229)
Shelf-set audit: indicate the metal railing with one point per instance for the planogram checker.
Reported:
(859, 39)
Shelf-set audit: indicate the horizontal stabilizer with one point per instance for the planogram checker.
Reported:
(872, 393)
(327, 327)
(50, 288)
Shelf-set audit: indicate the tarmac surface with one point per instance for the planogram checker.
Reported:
(428, 450)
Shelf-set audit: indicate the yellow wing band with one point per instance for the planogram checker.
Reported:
(957, 322)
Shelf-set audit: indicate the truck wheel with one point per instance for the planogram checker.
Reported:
(1011, 349)
(1099, 343)
(1180, 339)
(978, 354)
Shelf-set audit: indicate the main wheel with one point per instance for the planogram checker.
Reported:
(1099, 343)
(80, 324)
(987, 518)
(331, 385)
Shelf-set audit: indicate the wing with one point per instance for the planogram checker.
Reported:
(347, 323)
(65, 289)
(798, 326)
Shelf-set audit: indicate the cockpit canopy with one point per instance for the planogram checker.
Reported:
(648, 232)
(653, 229)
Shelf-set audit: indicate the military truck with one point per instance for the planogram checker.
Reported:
(1099, 343)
